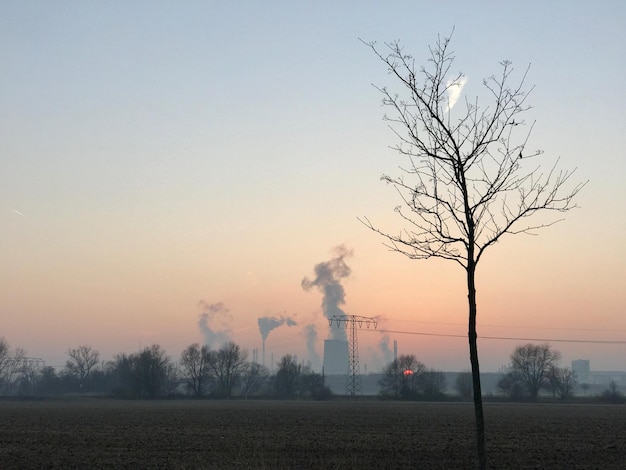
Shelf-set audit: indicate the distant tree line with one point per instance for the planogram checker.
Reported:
(227, 372)
(150, 373)
(534, 368)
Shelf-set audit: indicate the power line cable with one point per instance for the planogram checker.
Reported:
(507, 338)
(505, 326)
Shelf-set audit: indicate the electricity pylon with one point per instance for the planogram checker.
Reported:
(352, 322)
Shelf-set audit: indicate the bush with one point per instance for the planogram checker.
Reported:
(612, 394)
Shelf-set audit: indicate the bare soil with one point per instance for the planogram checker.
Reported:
(363, 434)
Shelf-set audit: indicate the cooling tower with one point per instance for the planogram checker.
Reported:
(336, 359)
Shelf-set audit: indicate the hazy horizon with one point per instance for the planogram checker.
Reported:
(171, 173)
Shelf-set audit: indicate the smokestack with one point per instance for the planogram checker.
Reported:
(386, 351)
(395, 350)
(267, 324)
(328, 275)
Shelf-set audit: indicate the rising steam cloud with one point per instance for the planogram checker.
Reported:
(310, 333)
(267, 324)
(328, 275)
(385, 350)
(214, 323)
(455, 87)
(383, 354)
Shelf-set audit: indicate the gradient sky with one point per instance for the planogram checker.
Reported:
(158, 157)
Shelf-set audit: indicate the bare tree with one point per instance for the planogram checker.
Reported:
(5, 361)
(29, 370)
(226, 366)
(153, 370)
(469, 177)
(532, 364)
(48, 382)
(401, 377)
(311, 385)
(144, 374)
(287, 375)
(463, 385)
(585, 387)
(81, 362)
(253, 379)
(562, 381)
(12, 365)
(195, 367)
(4, 351)
(511, 385)
(612, 394)
(432, 384)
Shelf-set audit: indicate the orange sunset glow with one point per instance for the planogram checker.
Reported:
(172, 175)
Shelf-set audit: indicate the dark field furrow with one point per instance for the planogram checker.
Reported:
(98, 433)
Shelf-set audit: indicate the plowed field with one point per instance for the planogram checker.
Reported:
(98, 433)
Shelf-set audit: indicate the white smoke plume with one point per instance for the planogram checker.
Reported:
(267, 324)
(328, 275)
(214, 323)
(310, 333)
(455, 87)
(385, 351)
(383, 355)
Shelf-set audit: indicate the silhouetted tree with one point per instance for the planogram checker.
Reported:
(311, 385)
(152, 368)
(28, 374)
(253, 379)
(531, 365)
(195, 367)
(432, 384)
(612, 394)
(12, 365)
(511, 385)
(465, 182)
(287, 375)
(585, 387)
(145, 374)
(4, 352)
(48, 382)
(122, 378)
(401, 377)
(99, 380)
(80, 364)
(5, 363)
(226, 366)
(562, 381)
(463, 385)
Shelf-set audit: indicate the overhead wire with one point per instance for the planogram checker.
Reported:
(506, 338)
(564, 328)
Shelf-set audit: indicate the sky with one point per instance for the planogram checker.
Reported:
(172, 172)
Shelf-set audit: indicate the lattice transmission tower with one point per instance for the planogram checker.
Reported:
(352, 323)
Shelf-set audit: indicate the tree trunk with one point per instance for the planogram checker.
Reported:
(478, 398)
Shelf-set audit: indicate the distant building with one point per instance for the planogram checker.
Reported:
(597, 379)
(581, 368)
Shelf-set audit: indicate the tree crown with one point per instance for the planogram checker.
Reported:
(469, 176)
